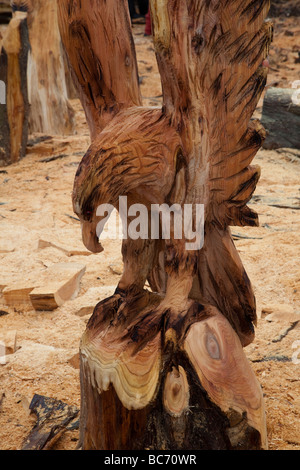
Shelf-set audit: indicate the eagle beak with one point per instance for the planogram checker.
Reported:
(90, 238)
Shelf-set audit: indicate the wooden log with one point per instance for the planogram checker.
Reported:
(14, 107)
(281, 118)
(166, 369)
(50, 110)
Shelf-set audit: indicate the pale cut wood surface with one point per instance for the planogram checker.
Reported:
(62, 283)
(225, 373)
(54, 286)
(176, 393)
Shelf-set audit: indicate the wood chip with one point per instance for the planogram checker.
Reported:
(63, 285)
(282, 334)
(42, 244)
(8, 345)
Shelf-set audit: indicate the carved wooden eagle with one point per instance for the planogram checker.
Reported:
(197, 148)
(163, 360)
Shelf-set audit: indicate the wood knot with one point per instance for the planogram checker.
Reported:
(176, 392)
(127, 61)
(212, 346)
(198, 42)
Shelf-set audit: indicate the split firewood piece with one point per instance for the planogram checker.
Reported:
(53, 419)
(7, 246)
(8, 340)
(14, 107)
(17, 294)
(61, 283)
(8, 345)
(3, 284)
(48, 290)
(74, 361)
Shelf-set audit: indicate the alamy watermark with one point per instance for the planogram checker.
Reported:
(162, 221)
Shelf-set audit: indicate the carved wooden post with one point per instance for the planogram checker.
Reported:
(50, 110)
(165, 368)
(33, 82)
(14, 106)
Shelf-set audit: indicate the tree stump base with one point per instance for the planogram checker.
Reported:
(150, 383)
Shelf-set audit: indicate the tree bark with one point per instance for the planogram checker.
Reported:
(14, 107)
(165, 368)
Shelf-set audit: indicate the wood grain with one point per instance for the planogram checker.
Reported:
(84, 29)
(210, 56)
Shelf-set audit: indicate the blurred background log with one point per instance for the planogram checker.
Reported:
(281, 118)
(5, 11)
(13, 76)
(50, 109)
(285, 7)
(34, 77)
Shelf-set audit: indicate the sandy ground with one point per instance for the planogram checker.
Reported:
(35, 198)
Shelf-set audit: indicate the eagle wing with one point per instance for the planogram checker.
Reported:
(211, 55)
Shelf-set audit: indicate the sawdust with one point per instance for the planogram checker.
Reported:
(36, 205)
